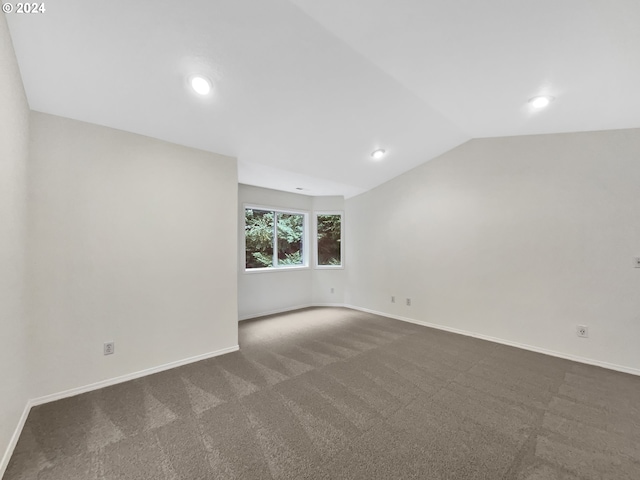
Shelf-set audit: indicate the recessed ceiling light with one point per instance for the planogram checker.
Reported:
(378, 154)
(201, 85)
(540, 102)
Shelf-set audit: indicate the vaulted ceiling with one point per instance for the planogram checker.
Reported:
(305, 90)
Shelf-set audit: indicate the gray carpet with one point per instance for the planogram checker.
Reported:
(339, 394)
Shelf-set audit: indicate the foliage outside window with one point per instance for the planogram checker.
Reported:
(329, 239)
(273, 238)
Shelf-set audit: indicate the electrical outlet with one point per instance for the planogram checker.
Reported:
(582, 331)
(408, 302)
(109, 348)
(393, 299)
(636, 262)
(332, 290)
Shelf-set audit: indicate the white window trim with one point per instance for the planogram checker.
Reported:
(315, 239)
(275, 268)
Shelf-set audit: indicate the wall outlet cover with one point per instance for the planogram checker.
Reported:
(582, 331)
(109, 348)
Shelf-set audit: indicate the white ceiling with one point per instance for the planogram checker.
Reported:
(305, 90)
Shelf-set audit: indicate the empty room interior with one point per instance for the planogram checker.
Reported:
(287, 239)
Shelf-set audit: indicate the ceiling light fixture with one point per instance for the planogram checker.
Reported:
(378, 154)
(200, 84)
(541, 101)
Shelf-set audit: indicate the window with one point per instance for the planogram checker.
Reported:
(274, 238)
(329, 239)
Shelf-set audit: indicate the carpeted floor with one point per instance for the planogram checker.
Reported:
(339, 394)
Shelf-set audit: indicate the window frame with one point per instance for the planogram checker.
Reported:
(315, 240)
(305, 238)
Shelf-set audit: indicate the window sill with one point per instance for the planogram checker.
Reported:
(276, 269)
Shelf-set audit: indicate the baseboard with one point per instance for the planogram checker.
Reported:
(532, 348)
(4, 463)
(142, 373)
(273, 312)
(130, 376)
(288, 309)
(553, 353)
(95, 386)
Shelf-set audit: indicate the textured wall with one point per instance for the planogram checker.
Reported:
(264, 292)
(325, 279)
(276, 290)
(14, 143)
(518, 238)
(126, 240)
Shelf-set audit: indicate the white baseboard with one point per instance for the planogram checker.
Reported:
(130, 376)
(553, 353)
(113, 381)
(273, 312)
(4, 463)
(95, 386)
(288, 309)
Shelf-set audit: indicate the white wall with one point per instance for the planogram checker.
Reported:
(14, 143)
(323, 280)
(261, 293)
(266, 292)
(517, 238)
(127, 244)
